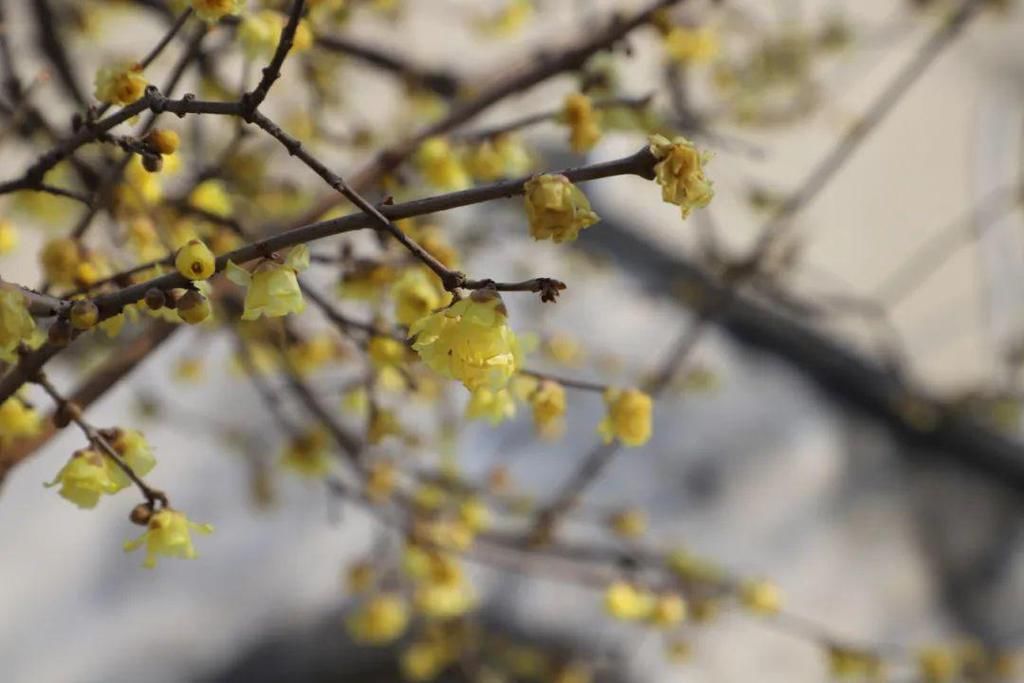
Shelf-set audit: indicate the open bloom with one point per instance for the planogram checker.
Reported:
(557, 209)
(548, 403)
(120, 83)
(214, 10)
(583, 121)
(441, 166)
(493, 406)
(16, 324)
(86, 477)
(273, 288)
(469, 341)
(260, 33)
(168, 533)
(628, 418)
(416, 294)
(134, 450)
(17, 420)
(680, 172)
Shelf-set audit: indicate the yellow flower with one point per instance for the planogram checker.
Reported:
(628, 523)
(444, 599)
(308, 454)
(584, 123)
(260, 33)
(761, 597)
(212, 11)
(313, 353)
(366, 280)
(381, 479)
(382, 619)
(680, 172)
(423, 661)
(213, 197)
(8, 237)
(669, 610)
(273, 288)
(134, 450)
(60, 259)
(469, 341)
(854, 664)
(557, 209)
(937, 665)
(195, 261)
(416, 294)
(493, 406)
(385, 352)
(17, 420)
(692, 45)
(628, 418)
(168, 533)
(501, 157)
(474, 514)
(548, 403)
(16, 323)
(120, 83)
(626, 601)
(163, 140)
(85, 477)
(383, 424)
(509, 20)
(441, 166)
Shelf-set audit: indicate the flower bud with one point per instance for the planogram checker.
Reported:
(195, 261)
(84, 314)
(193, 307)
(59, 333)
(163, 140)
(155, 299)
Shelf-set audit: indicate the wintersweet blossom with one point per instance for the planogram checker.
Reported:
(416, 294)
(556, 208)
(121, 83)
(381, 619)
(583, 121)
(680, 172)
(212, 11)
(692, 45)
(16, 324)
(168, 533)
(195, 261)
(441, 166)
(135, 451)
(272, 287)
(17, 421)
(628, 418)
(469, 341)
(86, 476)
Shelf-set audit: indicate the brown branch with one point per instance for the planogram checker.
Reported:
(96, 438)
(441, 82)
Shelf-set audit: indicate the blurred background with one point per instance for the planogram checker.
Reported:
(802, 443)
